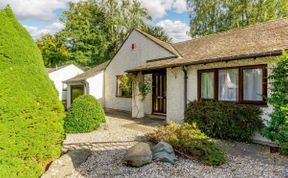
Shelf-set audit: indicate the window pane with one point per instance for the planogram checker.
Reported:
(124, 86)
(228, 85)
(252, 84)
(207, 85)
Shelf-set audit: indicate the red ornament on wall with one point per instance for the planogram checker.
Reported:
(133, 46)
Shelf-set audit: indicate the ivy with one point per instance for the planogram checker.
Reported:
(145, 87)
(277, 129)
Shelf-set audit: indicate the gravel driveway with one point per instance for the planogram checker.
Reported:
(109, 145)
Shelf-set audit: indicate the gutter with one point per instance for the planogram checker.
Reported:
(185, 87)
(213, 60)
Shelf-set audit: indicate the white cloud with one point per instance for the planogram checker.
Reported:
(38, 9)
(37, 32)
(45, 9)
(159, 8)
(176, 29)
(180, 6)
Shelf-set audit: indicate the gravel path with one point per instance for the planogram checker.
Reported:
(109, 146)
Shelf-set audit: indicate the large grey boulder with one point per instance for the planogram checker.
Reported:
(64, 166)
(164, 152)
(138, 155)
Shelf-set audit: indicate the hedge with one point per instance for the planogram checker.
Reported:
(188, 139)
(225, 120)
(85, 115)
(31, 116)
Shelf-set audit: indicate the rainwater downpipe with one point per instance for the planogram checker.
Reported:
(185, 87)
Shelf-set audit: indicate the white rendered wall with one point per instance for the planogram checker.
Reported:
(64, 74)
(175, 88)
(125, 59)
(96, 86)
(175, 95)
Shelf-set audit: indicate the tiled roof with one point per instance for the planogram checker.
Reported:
(89, 73)
(50, 70)
(263, 39)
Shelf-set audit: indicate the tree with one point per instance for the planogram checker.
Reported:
(31, 116)
(54, 51)
(157, 32)
(208, 17)
(277, 129)
(95, 29)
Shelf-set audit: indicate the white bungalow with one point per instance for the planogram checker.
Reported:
(228, 66)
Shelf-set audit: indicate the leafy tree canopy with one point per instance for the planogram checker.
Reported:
(219, 15)
(53, 49)
(94, 30)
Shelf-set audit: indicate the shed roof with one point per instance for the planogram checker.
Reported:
(263, 39)
(89, 73)
(50, 70)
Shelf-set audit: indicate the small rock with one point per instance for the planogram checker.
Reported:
(164, 152)
(138, 155)
(64, 166)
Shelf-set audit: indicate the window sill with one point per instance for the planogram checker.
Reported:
(123, 96)
(258, 103)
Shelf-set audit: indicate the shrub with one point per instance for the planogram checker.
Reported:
(190, 140)
(225, 120)
(277, 129)
(31, 116)
(86, 114)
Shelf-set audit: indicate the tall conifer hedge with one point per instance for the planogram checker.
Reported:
(31, 117)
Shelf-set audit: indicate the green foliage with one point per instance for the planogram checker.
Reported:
(190, 140)
(208, 16)
(277, 129)
(125, 85)
(94, 30)
(145, 87)
(31, 116)
(85, 115)
(225, 120)
(157, 32)
(53, 49)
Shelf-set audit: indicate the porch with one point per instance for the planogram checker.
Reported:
(149, 94)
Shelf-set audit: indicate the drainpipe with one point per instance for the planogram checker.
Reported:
(185, 86)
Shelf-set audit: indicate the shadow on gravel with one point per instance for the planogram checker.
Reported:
(254, 152)
(108, 162)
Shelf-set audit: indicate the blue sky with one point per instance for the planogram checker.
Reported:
(42, 16)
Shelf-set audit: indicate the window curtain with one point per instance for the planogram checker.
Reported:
(252, 81)
(228, 85)
(207, 85)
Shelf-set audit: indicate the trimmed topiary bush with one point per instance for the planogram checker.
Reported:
(225, 120)
(31, 116)
(86, 114)
(190, 140)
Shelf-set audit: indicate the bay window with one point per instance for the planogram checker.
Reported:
(246, 84)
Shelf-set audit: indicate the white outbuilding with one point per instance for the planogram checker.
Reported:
(60, 74)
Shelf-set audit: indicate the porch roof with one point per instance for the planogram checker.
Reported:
(89, 73)
(260, 40)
